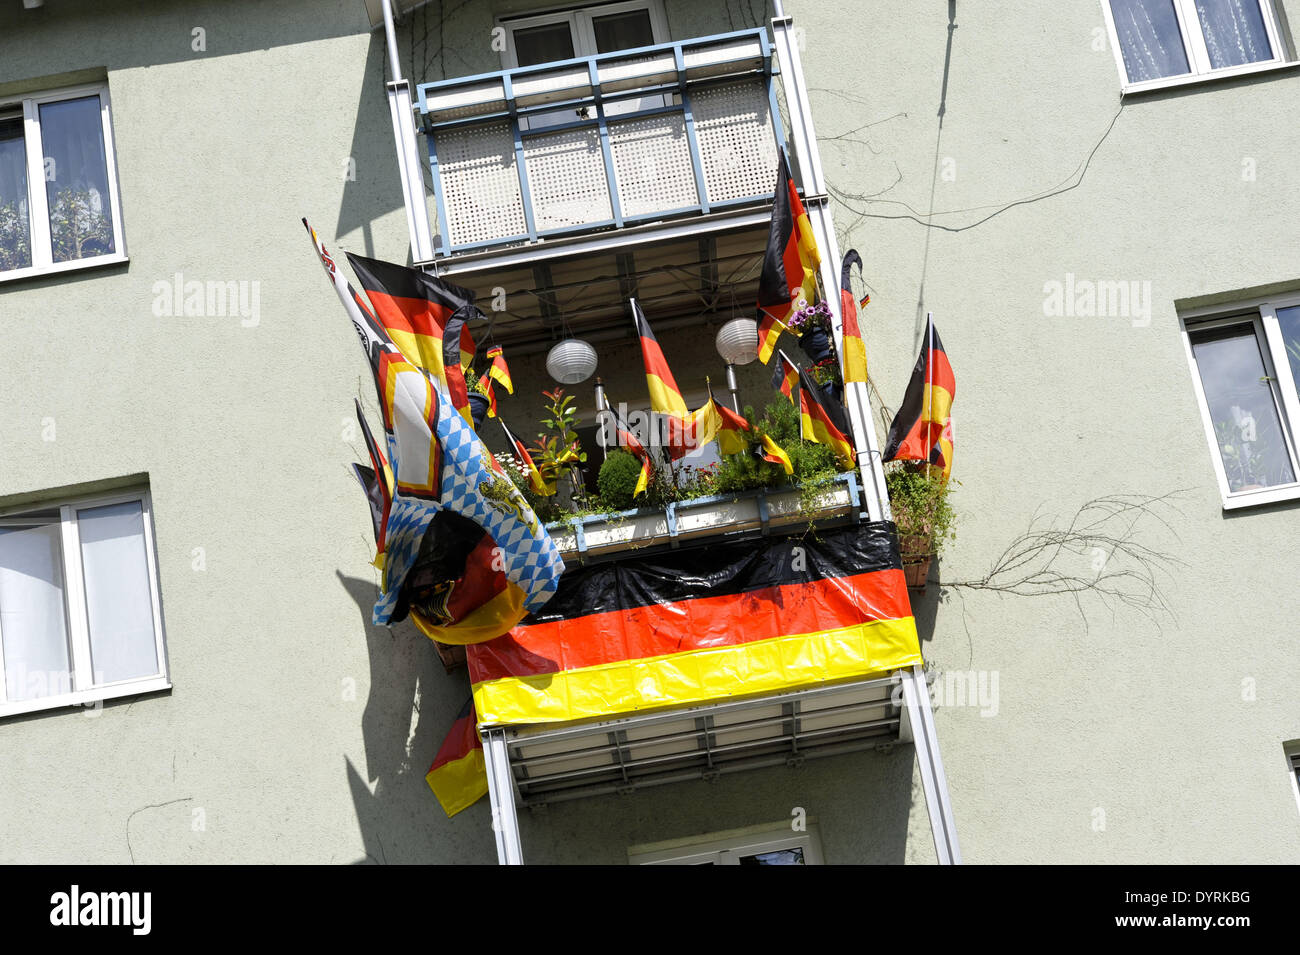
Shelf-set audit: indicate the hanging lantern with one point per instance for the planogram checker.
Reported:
(571, 361)
(737, 341)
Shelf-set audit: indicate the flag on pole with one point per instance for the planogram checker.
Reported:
(383, 487)
(491, 396)
(458, 776)
(718, 422)
(426, 318)
(786, 376)
(855, 352)
(790, 263)
(498, 370)
(927, 403)
(535, 479)
(823, 421)
(942, 453)
(626, 439)
(463, 554)
(665, 396)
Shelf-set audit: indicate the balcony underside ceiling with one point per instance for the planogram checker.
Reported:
(709, 277)
(568, 762)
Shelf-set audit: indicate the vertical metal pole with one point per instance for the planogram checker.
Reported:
(733, 387)
(934, 782)
(804, 139)
(501, 790)
(408, 154)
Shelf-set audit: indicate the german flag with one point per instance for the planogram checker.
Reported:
(458, 776)
(665, 396)
(426, 318)
(702, 623)
(927, 403)
(626, 439)
(776, 454)
(498, 370)
(491, 397)
(855, 352)
(823, 421)
(941, 456)
(790, 263)
(718, 422)
(786, 376)
(535, 479)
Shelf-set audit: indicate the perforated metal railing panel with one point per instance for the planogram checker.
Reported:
(733, 124)
(566, 178)
(551, 765)
(480, 185)
(652, 164)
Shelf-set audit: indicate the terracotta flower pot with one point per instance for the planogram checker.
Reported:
(916, 573)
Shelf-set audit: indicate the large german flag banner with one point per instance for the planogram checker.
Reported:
(790, 263)
(458, 776)
(703, 623)
(855, 351)
(823, 420)
(927, 403)
(426, 318)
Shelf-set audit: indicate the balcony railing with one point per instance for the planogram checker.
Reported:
(582, 145)
(747, 512)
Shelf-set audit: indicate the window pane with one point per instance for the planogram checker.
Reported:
(76, 179)
(623, 31)
(118, 601)
(1149, 38)
(1234, 32)
(1247, 426)
(33, 623)
(15, 228)
(779, 857)
(544, 44)
(1289, 319)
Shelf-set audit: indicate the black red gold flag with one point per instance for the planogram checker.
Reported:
(927, 403)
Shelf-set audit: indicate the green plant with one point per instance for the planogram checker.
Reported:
(559, 449)
(918, 496)
(618, 478)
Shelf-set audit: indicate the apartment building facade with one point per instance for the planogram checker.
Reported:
(1093, 199)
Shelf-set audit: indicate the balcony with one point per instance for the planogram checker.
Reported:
(677, 132)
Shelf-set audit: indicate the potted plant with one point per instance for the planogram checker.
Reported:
(812, 324)
(918, 496)
(560, 451)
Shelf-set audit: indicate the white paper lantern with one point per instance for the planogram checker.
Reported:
(737, 341)
(571, 361)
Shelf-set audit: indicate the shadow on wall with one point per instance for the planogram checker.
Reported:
(372, 185)
(411, 705)
(859, 803)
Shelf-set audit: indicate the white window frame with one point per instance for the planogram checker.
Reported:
(37, 201)
(85, 690)
(726, 848)
(1262, 315)
(1198, 57)
(580, 26)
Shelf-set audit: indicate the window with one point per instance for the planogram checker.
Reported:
(605, 28)
(1245, 365)
(762, 845)
(1164, 42)
(79, 608)
(64, 141)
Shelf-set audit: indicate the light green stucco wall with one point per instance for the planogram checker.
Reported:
(241, 433)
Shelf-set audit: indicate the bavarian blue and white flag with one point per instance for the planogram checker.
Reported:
(461, 550)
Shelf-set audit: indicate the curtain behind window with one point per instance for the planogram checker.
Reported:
(1234, 32)
(1149, 38)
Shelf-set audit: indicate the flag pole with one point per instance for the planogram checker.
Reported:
(929, 397)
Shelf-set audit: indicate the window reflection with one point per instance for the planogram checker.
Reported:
(76, 179)
(15, 228)
(1247, 425)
